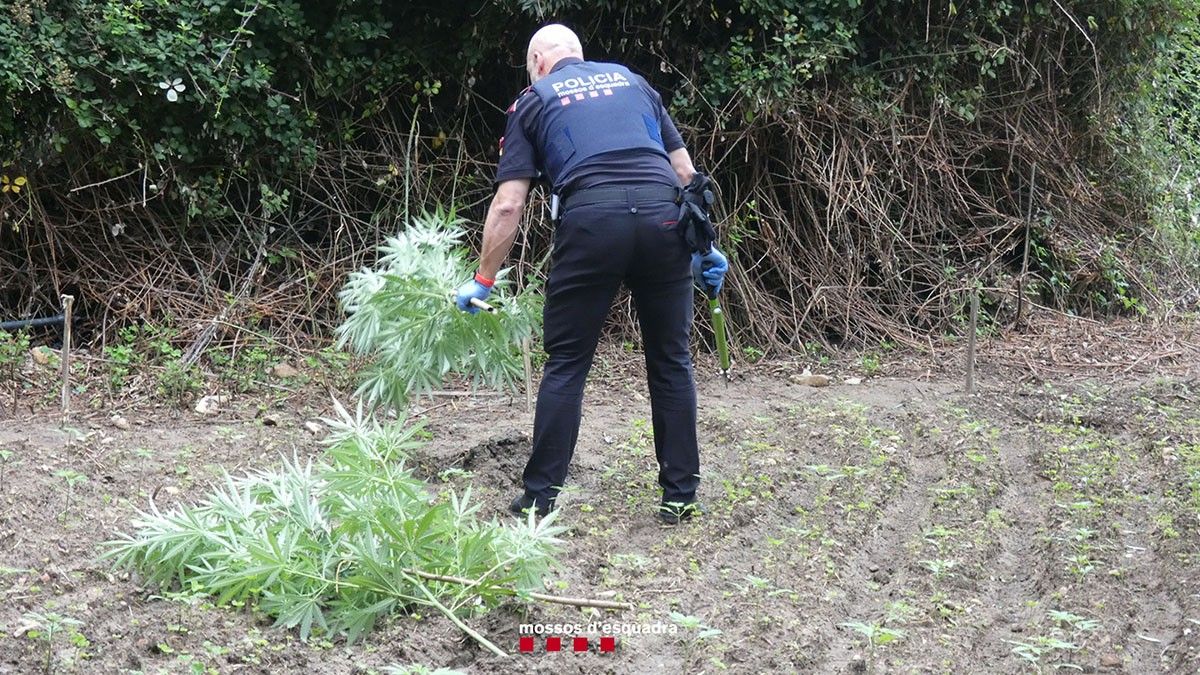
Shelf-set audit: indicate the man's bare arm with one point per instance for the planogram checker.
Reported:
(500, 226)
(681, 162)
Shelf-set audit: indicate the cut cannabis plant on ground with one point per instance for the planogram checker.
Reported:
(401, 313)
(336, 545)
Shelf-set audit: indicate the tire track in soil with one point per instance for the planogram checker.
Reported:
(876, 563)
(1019, 569)
(1154, 623)
(1024, 570)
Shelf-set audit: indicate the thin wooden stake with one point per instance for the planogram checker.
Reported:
(582, 602)
(68, 301)
(971, 341)
(526, 348)
(1025, 253)
(543, 597)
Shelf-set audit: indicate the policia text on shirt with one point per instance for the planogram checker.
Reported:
(615, 163)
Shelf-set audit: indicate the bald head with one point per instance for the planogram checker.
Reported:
(548, 46)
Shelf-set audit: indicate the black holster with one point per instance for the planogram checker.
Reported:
(695, 222)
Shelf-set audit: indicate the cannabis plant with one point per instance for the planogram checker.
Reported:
(334, 546)
(47, 627)
(401, 312)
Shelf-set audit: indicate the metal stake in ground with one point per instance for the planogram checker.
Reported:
(971, 337)
(67, 301)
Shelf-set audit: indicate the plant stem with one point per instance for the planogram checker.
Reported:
(576, 602)
(463, 626)
(49, 646)
(582, 602)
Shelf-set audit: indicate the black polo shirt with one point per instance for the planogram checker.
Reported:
(520, 158)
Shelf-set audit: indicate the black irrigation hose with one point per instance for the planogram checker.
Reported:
(31, 323)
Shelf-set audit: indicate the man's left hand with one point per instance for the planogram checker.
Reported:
(473, 289)
(708, 270)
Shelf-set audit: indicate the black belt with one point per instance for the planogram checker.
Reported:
(630, 196)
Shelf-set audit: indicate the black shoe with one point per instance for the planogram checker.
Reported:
(523, 502)
(673, 513)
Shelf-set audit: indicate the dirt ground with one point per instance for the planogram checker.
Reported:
(885, 523)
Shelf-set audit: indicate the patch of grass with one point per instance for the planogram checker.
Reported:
(752, 354)
(13, 350)
(814, 350)
(335, 368)
(900, 612)
(870, 363)
(6, 458)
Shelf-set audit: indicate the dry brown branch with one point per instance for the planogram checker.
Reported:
(844, 225)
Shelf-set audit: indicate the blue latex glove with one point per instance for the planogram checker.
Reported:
(708, 271)
(471, 289)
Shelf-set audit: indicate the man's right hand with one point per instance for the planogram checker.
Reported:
(478, 288)
(708, 271)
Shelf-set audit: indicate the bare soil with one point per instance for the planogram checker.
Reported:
(890, 525)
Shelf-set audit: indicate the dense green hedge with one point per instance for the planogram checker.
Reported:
(267, 83)
(220, 113)
(264, 84)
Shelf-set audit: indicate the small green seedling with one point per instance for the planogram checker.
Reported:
(1039, 646)
(47, 627)
(694, 623)
(1063, 637)
(940, 567)
(72, 478)
(5, 457)
(877, 635)
(900, 612)
(1074, 621)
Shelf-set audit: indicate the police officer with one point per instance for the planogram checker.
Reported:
(600, 136)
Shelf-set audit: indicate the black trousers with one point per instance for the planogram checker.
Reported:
(597, 247)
